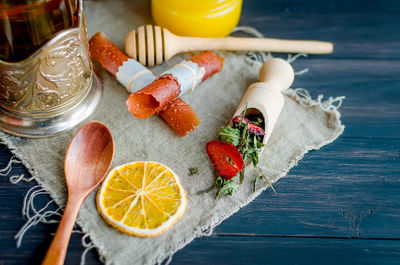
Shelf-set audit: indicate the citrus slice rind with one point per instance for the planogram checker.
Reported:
(142, 198)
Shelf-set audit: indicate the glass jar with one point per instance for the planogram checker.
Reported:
(197, 18)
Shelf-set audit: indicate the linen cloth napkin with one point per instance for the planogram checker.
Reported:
(304, 124)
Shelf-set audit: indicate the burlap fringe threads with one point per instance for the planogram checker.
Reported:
(33, 215)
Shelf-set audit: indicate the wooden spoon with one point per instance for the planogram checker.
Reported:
(87, 161)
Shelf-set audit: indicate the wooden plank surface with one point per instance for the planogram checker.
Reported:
(289, 250)
(371, 87)
(362, 43)
(333, 192)
(341, 204)
(268, 7)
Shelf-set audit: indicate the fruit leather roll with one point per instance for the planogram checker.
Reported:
(129, 72)
(173, 83)
(134, 76)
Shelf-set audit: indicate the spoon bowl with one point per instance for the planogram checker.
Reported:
(87, 161)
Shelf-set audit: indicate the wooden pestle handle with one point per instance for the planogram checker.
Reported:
(58, 249)
(278, 73)
(176, 44)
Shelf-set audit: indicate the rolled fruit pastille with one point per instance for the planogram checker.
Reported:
(264, 98)
(134, 76)
(174, 82)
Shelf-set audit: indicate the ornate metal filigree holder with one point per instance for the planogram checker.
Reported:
(51, 91)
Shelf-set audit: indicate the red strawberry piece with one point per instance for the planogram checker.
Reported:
(254, 129)
(226, 158)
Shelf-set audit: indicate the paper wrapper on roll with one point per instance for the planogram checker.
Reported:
(265, 97)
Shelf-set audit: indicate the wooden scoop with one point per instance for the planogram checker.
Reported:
(152, 45)
(87, 161)
(265, 98)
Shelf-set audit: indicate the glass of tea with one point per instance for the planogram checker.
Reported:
(47, 83)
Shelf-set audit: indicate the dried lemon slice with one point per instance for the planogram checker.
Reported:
(141, 198)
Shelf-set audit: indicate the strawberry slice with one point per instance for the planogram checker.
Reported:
(254, 129)
(226, 158)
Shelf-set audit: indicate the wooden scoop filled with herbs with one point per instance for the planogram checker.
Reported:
(240, 144)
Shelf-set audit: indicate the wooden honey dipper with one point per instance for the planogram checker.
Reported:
(152, 45)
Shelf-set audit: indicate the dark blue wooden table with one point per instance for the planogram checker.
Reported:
(341, 204)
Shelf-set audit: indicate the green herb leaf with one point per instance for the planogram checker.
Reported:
(219, 182)
(193, 171)
(245, 140)
(256, 182)
(226, 187)
(241, 175)
(229, 135)
(254, 157)
(258, 122)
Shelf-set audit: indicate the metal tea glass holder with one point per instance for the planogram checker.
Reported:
(52, 90)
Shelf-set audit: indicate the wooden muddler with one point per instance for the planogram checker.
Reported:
(265, 97)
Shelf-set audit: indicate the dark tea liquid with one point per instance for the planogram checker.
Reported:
(25, 25)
